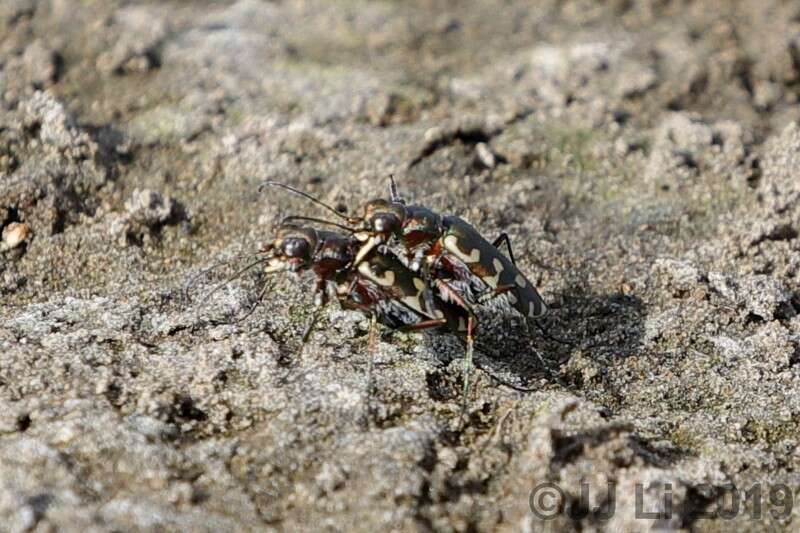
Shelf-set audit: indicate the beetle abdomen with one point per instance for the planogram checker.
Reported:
(493, 268)
(397, 295)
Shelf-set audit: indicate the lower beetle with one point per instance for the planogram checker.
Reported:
(380, 286)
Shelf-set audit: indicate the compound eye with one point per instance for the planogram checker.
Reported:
(385, 223)
(295, 247)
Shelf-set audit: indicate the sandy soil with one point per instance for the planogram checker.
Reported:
(644, 157)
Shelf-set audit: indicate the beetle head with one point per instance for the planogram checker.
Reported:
(292, 249)
(383, 219)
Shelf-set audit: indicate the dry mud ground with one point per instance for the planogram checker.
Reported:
(643, 156)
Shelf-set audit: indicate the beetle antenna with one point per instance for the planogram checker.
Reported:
(307, 197)
(259, 299)
(506, 383)
(236, 275)
(216, 265)
(393, 191)
(318, 220)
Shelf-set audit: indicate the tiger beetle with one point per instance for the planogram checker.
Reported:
(380, 286)
(451, 255)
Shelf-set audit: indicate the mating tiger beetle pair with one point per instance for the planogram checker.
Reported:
(404, 266)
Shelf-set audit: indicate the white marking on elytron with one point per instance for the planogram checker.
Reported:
(521, 281)
(413, 302)
(512, 298)
(450, 242)
(462, 325)
(532, 310)
(438, 313)
(386, 281)
(493, 280)
(367, 248)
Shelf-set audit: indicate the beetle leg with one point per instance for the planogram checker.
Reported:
(426, 324)
(467, 368)
(330, 290)
(370, 364)
(493, 293)
(393, 191)
(445, 289)
(320, 299)
(499, 240)
(260, 297)
(320, 293)
(426, 291)
(418, 260)
(310, 326)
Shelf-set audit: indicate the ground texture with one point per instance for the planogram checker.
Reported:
(644, 157)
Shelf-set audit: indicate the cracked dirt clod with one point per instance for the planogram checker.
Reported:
(642, 156)
(149, 208)
(137, 37)
(36, 68)
(146, 213)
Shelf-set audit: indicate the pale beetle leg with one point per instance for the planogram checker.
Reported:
(370, 364)
(311, 323)
(467, 368)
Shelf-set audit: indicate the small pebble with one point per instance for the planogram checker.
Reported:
(14, 234)
(485, 155)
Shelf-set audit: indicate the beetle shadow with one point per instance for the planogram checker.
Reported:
(598, 327)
